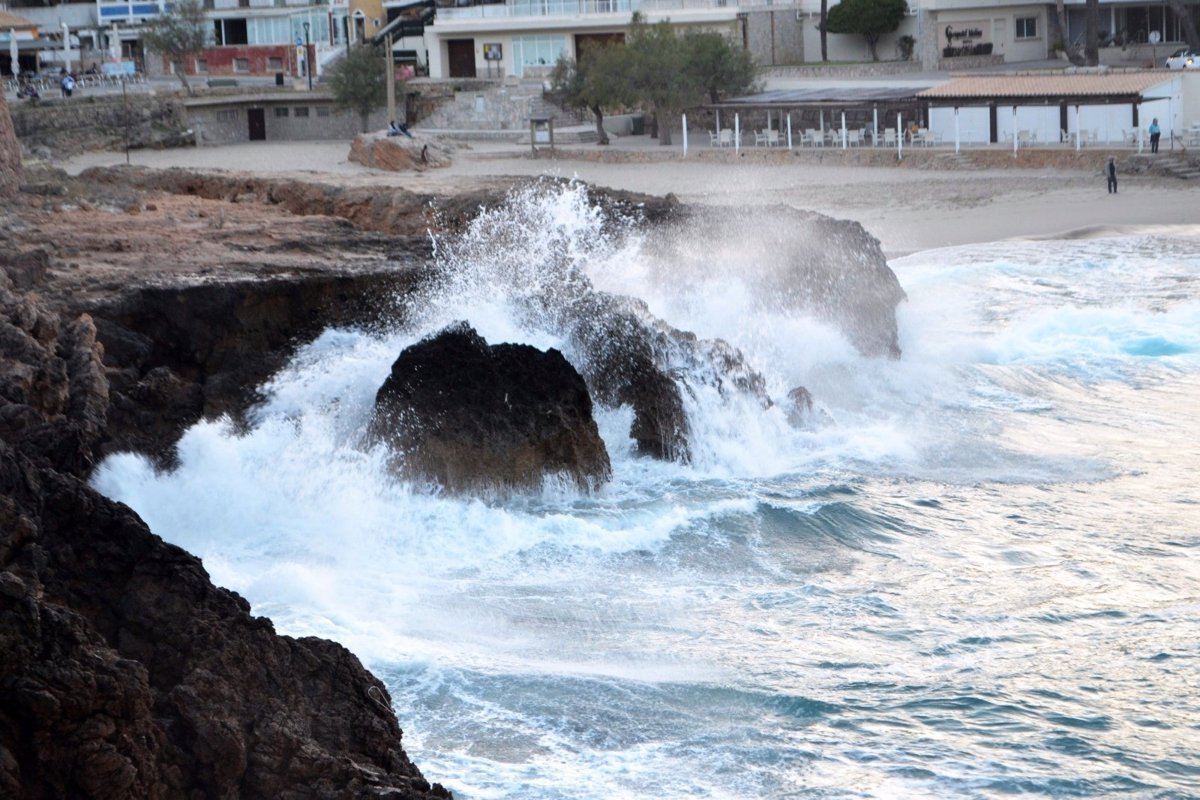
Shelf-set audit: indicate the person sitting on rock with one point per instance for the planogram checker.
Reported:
(398, 130)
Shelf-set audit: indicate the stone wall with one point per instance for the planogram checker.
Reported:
(10, 152)
(969, 62)
(868, 69)
(775, 36)
(474, 105)
(64, 127)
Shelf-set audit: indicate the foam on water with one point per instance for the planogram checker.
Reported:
(975, 576)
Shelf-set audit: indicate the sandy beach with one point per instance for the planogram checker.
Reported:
(907, 207)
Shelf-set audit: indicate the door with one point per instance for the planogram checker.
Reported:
(462, 57)
(1000, 36)
(258, 124)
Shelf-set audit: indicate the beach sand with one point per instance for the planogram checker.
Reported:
(907, 208)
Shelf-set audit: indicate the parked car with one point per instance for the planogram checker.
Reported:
(1184, 59)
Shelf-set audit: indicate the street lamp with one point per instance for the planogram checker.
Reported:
(307, 57)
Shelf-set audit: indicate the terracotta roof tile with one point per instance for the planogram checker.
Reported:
(1057, 85)
(8, 20)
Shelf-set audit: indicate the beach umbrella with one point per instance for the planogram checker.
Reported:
(956, 129)
(843, 130)
(114, 44)
(737, 132)
(789, 130)
(12, 51)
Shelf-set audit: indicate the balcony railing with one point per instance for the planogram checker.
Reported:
(576, 8)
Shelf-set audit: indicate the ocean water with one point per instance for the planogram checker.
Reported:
(974, 574)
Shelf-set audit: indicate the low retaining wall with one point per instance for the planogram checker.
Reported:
(969, 62)
(869, 69)
(65, 127)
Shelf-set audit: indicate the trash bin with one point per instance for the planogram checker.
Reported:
(279, 79)
(638, 125)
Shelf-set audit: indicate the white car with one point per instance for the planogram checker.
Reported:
(1184, 59)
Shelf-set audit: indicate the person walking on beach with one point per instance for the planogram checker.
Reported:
(1155, 132)
(1111, 171)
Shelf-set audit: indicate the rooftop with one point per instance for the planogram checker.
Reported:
(1060, 85)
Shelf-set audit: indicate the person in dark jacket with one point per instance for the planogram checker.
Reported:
(1111, 172)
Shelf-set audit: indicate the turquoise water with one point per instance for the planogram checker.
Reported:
(975, 575)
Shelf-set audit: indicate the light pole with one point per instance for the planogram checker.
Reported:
(66, 45)
(308, 67)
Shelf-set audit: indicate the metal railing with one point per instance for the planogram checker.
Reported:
(575, 8)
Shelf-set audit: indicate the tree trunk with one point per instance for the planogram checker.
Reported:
(824, 42)
(1186, 22)
(600, 132)
(180, 73)
(365, 117)
(1091, 50)
(871, 42)
(1060, 22)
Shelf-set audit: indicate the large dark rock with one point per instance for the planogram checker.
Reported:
(473, 417)
(124, 673)
(796, 261)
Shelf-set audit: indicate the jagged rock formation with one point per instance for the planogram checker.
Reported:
(796, 261)
(474, 417)
(400, 153)
(10, 152)
(124, 673)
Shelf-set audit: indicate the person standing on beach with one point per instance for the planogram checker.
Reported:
(1155, 132)
(1111, 171)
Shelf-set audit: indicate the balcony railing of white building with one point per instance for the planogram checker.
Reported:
(575, 8)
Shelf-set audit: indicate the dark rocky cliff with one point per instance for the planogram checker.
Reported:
(124, 673)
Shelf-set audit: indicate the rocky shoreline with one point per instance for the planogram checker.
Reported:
(124, 672)
(134, 303)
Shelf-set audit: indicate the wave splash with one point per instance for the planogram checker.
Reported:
(937, 559)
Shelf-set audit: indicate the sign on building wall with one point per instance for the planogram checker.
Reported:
(493, 52)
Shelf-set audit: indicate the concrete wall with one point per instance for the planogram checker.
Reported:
(297, 118)
(852, 47)
(998, 26)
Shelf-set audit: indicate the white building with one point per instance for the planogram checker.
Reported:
(520, 33)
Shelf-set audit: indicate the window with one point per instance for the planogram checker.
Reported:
(201, 65)
(229, 31)
(536, 51)
(1027, 27)
(300, 111)
(227, 115)
(322, 111)
(274, 63)
(281, 111)
(241, 65)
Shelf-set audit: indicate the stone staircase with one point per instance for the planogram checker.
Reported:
(954, 161)
(1181, 167)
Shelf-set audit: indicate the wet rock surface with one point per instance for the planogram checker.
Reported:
(135, 303)
(10, 152)
(476, 417)
(123, 671)
(799, 261)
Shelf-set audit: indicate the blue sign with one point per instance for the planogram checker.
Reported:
(299, 42)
